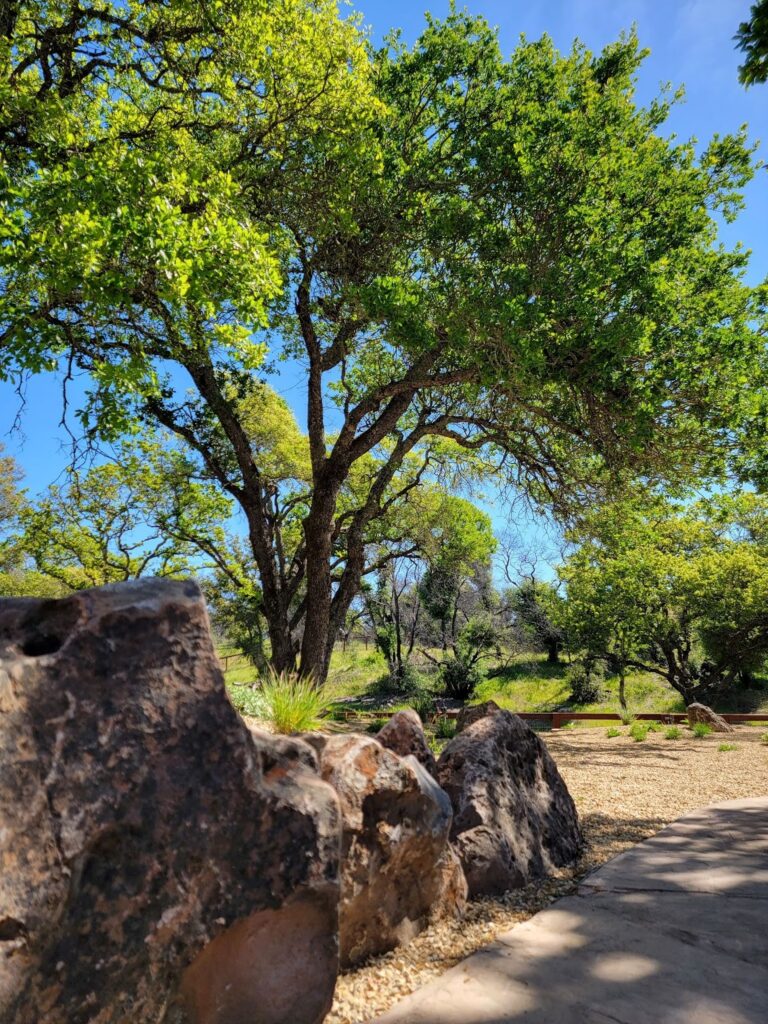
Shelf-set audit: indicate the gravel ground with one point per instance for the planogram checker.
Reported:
(625, 792)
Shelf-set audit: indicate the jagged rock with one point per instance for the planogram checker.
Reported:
(513, 817)
(474, 712)
(159, 864)
(398, 872)
(701, 713)
(404, 734)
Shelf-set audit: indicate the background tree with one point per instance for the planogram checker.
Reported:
(752, 39)
(539, 610)
(502, 253)
(676, 590)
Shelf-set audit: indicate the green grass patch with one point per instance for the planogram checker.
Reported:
(612, 731)
(700, 730)
(672, 733)
(727, 746)
(639, 731)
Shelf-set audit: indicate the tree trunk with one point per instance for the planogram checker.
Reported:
(622, 693)
(553, 653)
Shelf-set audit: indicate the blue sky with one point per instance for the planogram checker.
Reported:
(691, 44)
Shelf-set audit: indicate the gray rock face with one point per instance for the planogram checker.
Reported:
(398, 872)
(701, 713)
(514, 819)
(157, 859)
(404, 734)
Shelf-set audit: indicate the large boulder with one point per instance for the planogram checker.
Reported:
(474, 712)
(398, 871)
(159, 864)
(701, 714)
(513, 817)
(404, 734)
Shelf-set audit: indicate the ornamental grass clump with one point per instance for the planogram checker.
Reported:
(672, 733)
(612, 731)
(700, 730)
(290, 703)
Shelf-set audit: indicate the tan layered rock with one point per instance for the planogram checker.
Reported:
(513, 817)
(398, 872)
(700, 713)
(158, 862)
(404, 734)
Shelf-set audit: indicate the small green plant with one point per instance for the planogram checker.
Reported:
(764, 738)
(672, 733)
(654, 726)
(626, 716)
(423, 703)
(700, 730)
(445, 728)
(727, 746)
(638, 731)
(612, 731)
(376, 725)
(289, 703)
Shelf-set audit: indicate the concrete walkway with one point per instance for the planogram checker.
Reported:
(674, 931)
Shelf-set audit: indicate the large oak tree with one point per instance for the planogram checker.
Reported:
(501, 254)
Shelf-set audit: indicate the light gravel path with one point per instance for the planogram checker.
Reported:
(625, 792)
(673, 931)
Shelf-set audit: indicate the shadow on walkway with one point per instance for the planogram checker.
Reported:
(674, 931)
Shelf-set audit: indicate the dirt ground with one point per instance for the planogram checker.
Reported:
(625, 792)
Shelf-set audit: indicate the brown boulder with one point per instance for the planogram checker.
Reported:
(700, 713)
(157, 860)
(404, 734)
(513, 817)
(398, 872)
(474, 712)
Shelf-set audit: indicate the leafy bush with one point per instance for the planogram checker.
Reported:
(423, 703)
(289, 703)
(727, 746)
(585, 682)
(612, 731)
(638, 731)
(459, 678)
(672, 733)
(445, 728)
(701, 729)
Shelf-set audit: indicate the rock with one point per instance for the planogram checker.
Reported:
(398, 872)
(474, 712)
(404, 734)
(701, 713)
(159, 864)
(513, 817)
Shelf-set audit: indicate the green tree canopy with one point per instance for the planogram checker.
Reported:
(503, 253)
(678, 590)
(752, 39)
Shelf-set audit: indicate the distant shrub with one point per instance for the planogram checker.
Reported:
(701, 729)
(672, 733)
(459, 679)
(727, 746)
(612, 731)
(585, 682)
(445, 728)
(638, 731)
(289, 703)
(423, 703)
